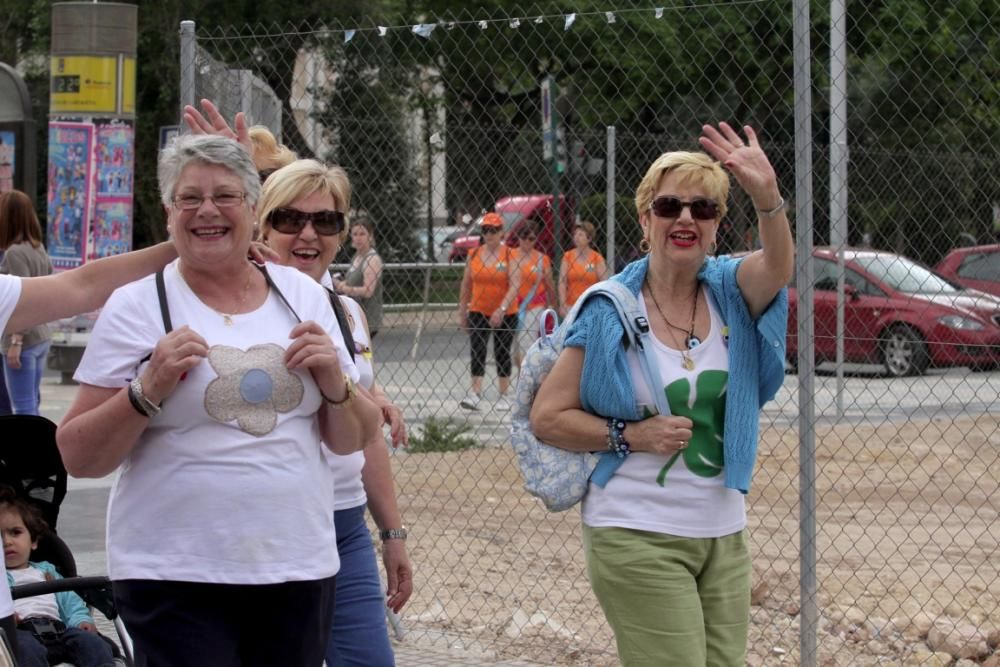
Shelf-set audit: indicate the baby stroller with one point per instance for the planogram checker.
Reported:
(37, 473)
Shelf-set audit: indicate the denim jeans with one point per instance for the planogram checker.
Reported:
(24, 383)
(360, 636)
(87, 649)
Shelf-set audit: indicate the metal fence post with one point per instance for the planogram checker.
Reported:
(804, 280)
(188, 44)
(611, 197)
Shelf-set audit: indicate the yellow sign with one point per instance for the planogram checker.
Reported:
(128, 85)
(84, 84)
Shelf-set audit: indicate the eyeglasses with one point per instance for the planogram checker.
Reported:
(293, 221)
(265, 174)
(491, 230)
(221, 200)
(702, 208)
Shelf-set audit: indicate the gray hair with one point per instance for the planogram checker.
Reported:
(205, 149)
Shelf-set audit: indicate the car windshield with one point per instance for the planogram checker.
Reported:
(904, 275)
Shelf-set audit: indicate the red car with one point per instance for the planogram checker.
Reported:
(976, 268)
(518, 211)
(899, 314)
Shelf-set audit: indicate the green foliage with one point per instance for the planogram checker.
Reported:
(441, 435)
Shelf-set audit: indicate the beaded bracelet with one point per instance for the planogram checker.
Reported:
(617, 444)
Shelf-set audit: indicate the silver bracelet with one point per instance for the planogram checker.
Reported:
(771, 212)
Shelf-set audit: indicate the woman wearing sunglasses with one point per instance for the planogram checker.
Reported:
(664, 537)
(536, 292)
(302, 213)
(581, 267)
(487, 305)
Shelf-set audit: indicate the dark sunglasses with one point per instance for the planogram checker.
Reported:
(292, 221)
(264, 174)
(491, 230)
(702, 208)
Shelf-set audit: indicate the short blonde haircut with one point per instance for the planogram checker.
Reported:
(301, 179)
(267, 152)
(588, 229)
(695, 169)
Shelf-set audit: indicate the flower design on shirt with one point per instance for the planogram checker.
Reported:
(706, 407)
(252, 388)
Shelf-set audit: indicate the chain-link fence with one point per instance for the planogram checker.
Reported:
(874, 509)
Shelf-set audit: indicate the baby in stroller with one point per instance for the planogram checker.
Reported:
(51, 628)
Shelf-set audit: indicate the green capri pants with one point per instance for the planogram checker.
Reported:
(672, 600)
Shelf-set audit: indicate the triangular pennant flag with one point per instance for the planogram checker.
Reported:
(515, 23)
(610, 16)
(424, 29)
(659, 12)
(382, 30)
(539, 19)
(570, 18)
(482, 25)
(348, 35)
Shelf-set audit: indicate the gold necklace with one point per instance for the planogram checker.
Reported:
(227, 318)
(691, 341)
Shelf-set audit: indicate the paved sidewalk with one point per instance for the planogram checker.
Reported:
(82, 525)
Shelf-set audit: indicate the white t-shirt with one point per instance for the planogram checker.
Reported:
(684, 496)
(228, 484)
(349, 489)
(37, 606)
(10, 292)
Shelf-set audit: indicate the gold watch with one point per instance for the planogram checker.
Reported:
(347, 400)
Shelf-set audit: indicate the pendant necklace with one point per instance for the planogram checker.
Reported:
(227, 318)
(691, 341)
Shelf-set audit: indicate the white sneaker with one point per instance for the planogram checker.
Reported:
(470, 402)
(502, 404)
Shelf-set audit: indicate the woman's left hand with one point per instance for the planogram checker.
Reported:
(261, 253)
(14, 356)
(393, 416)
(747, 162)
(398, 574)
(338, 286)
(313, 349)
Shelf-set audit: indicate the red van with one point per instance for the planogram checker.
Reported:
(517, 212)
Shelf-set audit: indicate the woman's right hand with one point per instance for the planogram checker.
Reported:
(463, 320)
(659, 434)
(175, 354)
(14, 356)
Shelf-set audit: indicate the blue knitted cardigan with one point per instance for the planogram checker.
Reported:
(756, 360)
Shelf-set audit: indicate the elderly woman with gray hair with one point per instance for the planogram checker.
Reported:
(212, 388)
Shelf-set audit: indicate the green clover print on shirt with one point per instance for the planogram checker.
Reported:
(706, 408)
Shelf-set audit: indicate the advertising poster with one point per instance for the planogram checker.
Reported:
(112, 228)
(114, 155)
(69, 192)
(8, 151)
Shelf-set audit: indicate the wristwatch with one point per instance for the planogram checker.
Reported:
(392, 534)
(344, 402)
(139, 400)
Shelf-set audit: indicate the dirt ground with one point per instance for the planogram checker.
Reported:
(906, 522)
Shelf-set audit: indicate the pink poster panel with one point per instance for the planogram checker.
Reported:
(112, 228)
(69, 196)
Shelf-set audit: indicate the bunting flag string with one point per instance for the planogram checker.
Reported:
(425, 30)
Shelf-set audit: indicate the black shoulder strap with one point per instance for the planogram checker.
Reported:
(345, 326)
(270, 283)
(161, 293)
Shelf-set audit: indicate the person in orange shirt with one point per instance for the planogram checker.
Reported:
(581, 267)
(488, 304)
(537, 291)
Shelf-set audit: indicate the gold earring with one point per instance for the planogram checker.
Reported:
(644, 246)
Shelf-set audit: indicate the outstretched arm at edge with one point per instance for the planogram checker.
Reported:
(85, 288)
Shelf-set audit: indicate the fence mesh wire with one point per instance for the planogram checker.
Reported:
(440, 120)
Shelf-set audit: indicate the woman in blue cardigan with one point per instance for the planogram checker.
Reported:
(664, 538)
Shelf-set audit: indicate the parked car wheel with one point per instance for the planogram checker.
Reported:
(904, 352)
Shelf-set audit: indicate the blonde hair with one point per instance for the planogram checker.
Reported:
(696, 169)
(267, 152)
(588, 229)
(300, 179)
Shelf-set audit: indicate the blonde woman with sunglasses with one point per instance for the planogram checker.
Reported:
(664, 533)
